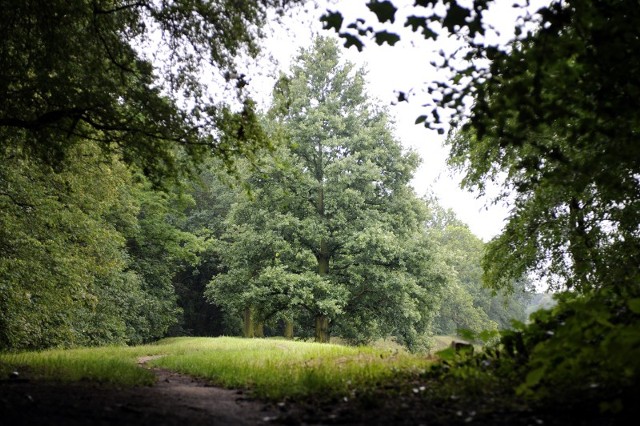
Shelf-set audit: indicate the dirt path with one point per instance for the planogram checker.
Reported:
(175, 399)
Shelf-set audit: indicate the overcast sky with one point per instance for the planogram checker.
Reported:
(404, 67)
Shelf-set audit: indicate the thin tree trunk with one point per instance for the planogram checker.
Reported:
(322, 329)
(580, 245)
(247, 329)
(258, 329)
(288, 329)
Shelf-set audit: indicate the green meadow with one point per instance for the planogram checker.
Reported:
(269, 368)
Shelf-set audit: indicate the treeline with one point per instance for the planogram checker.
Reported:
(317, 234)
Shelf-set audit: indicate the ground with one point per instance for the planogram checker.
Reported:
(180, 400)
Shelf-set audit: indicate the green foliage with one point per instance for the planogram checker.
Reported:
(466, 302)
(205, 218)
(88, 253)
(554, 120)
(582, 352)
(561, 134)
(57, 246)
(331, 230)
(89, 126)
(73, 71)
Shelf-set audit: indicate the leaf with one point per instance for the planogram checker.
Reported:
(416, 22)
(332, 20)
(517, 325)
(634, 305)
(421, 119)
(486, 335)
(425, 3)
(351, 40)
(386, 37)
(384, 10)
(534, 376)
(456, 16)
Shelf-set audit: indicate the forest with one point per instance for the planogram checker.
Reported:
(137, 205)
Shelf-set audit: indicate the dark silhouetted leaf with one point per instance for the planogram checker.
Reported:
(456, 16)
(332, 20)
(426, 3)
(384, 10)
(416, 22)
(351, 40)
(386, 37)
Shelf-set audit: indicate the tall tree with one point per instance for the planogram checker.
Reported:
(553, 118)
(88, 252)
(74, 70)
(338, 200)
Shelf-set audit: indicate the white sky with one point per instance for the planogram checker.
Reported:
(404, 67)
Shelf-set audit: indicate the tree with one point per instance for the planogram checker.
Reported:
(468, 304)
(64, 275)
(344, 229)
(213, 194)
(553, 118)
(88, 253)
(553, 112)
(568, 153)
(55, 245)
(74, 70)
(158, 249)
(89, 122)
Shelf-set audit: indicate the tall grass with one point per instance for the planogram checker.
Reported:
(272, 369)
(280, 368)
(111, 364)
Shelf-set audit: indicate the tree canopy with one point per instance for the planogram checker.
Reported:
(131, 76)
(551, 115)
(333, 227)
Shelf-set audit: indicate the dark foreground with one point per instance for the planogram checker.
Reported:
(180, 400)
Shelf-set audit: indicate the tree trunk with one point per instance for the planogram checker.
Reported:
(580, 245)
(247, 329)
(322, 329)
(258, 329)
(288, 329)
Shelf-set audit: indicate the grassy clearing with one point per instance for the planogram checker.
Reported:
(273, 369)
(280, 368)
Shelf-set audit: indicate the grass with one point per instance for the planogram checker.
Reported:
(272, 369)
(112, 364)
(278, 368)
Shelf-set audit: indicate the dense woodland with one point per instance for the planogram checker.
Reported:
(135, 205)
(319, 234)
